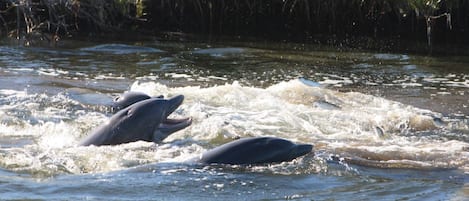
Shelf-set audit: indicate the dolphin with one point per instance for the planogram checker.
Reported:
(145, 120)
(129, 98)
(255, 150)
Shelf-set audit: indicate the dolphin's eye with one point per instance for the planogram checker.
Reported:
(117, 98)
(129, 112)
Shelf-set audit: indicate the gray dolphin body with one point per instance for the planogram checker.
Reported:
(255, 150)
(145, 120)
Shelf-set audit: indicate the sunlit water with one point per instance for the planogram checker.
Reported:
(384, 126)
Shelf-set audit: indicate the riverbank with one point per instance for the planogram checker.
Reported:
(371, 24)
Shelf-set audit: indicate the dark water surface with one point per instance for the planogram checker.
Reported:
(384, 126)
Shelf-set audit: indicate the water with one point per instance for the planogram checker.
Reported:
(384, 126)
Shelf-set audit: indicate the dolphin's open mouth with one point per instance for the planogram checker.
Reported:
(173, 125)
(168, 126)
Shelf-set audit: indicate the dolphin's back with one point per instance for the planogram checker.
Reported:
(255, 150)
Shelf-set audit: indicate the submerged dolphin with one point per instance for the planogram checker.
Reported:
(129, 98)
(255, 150)
(145, 120)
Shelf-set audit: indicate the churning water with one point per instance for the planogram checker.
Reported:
(384, 126)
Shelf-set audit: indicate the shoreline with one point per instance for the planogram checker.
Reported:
(424, 27)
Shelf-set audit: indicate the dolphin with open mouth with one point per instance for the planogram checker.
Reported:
(145, 120)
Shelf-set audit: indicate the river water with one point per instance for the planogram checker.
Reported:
(385, 126)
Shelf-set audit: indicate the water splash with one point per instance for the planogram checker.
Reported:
(363, 129)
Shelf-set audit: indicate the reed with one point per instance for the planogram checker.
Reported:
(425, 20)
(49, 20)
(305, 18)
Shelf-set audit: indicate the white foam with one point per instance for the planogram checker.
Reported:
(52, 72)
(287, 110)
(361, 125)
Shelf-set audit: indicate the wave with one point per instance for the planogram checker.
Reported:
(358, 128)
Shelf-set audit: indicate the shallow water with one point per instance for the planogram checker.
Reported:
(384, 126)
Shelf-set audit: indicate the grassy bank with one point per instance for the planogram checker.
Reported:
(429, 21)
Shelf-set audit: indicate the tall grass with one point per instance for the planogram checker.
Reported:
(33, 20)
(421, 19)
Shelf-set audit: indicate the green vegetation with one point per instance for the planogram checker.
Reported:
(430, 21)
(32, 20)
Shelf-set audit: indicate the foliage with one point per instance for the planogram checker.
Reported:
(30, 20)
(51, 19)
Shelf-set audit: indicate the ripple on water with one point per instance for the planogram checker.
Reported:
(121, 49)
(230, 93)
